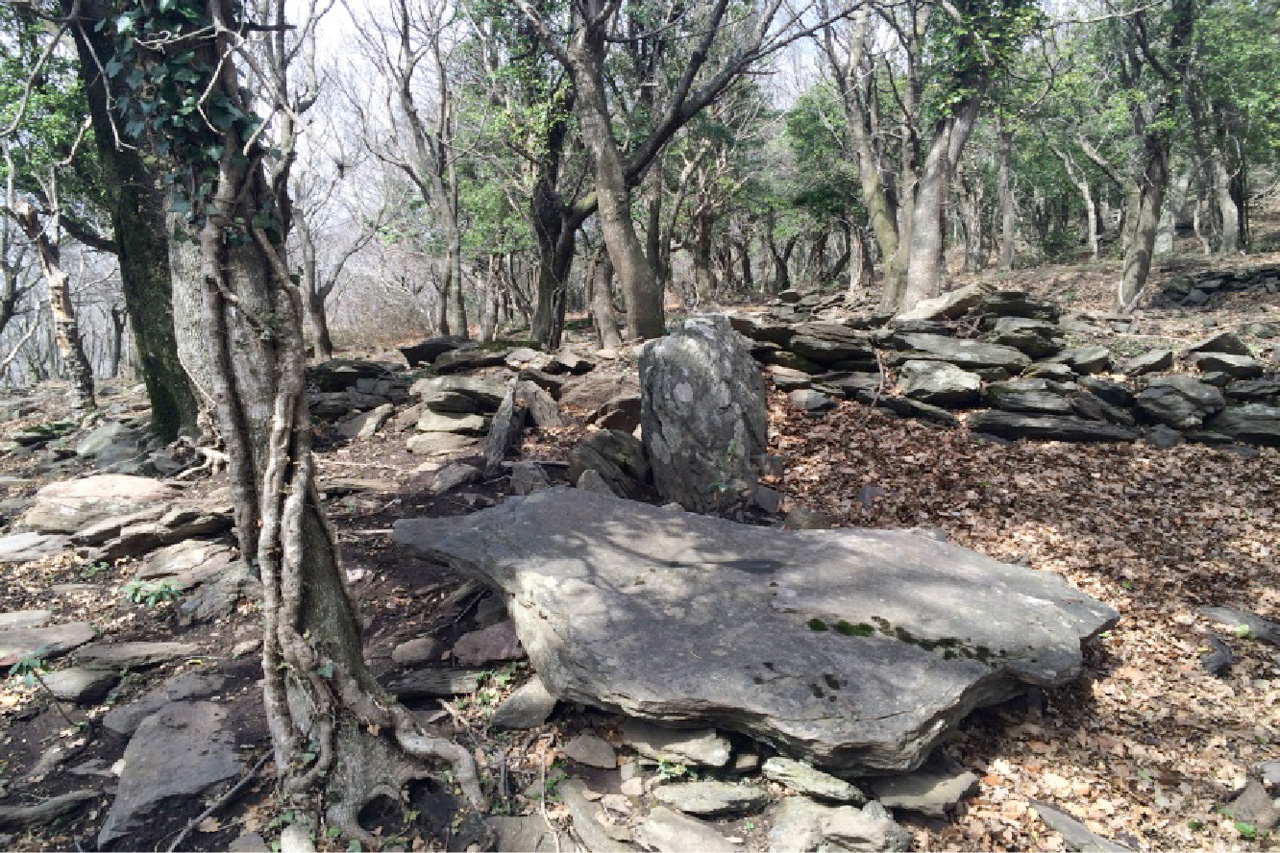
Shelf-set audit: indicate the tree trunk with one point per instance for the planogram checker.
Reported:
(640, 287)
(1149, 199)
(139, 223)
(1008, 212)
(1228, 212)
(600, 281)
(924, 271)
(704, 277)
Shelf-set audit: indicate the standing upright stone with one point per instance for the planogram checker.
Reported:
(702, 414)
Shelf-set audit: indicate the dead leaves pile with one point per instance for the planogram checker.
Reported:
(1147, 746)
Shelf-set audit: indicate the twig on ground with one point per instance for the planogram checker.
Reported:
(231, 794)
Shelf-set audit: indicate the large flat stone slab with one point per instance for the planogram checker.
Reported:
(852, 649)
(67, 506)
(47, 642)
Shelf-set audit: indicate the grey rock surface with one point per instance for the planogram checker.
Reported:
(1036, 338)
(1148, 362)
(364, 426)
(938, 383)
(807, 780)
(24, 547)
(1047, 427)
(618, 457)
(592, 751)
(1086, 359)
(809, 400)
(1227, 342)
(136, 654)
(1075, 835)
(1254, 423)
(800, 824)
(667, 831)
(1235, 366)
(529, 705)
(527, 476)
(934, 789)
(1179, 401)
(853, 649)
(702, 414)
(24, 618)
(711, 798)
(180, 751)
(1033, 396)
(948, 306)
(50, 641)
(418, 651)
(493, 644)
(970, 355)
(125, 719)
(67, 506)
(82, 685)
(702, 747)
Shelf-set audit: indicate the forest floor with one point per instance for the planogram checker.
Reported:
(1146, 747)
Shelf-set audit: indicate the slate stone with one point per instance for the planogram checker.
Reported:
(1109, 391)
(908, 408)
(125, 719)
(970, 355)
(505, 430)
(180, 751)
(668, 831)
(216, 598)
(451, 477)
(592, 751)
(67, 506)
(703, 414)
(1255, 807)
(1179, 401)
(807, 780)
(1265, 630)
(28, 546)
(702, 747)
(429, 350)
(364, 426)
(1254, 390)
(339, 374)
(809, 400)
(1252, 423)
(762, 327)
(488, 645)
(1075, 835)
(418, 651)
(831, 344)
(1049, 370)
(136, 655)
(800, 824)
(938, 383)
(530, 834)
(711, 798)
(789, 360)
(486, 394)
(440, 443)
(1234, 366)
(1225, 342)
(187, 564)
(109, 439)
(1017, 303)
(469, 357)
(933, 790)
(1087, 359)
(1164, 437)
(1034, 396)
(430, 683)
(461, 424)
(24, 618)
(587, 823)
(1088, 405)
(527, 476)
(1014, 425)
(1036, 338)
(617, 457)
(948, 306)
(81, 685)
(849, 384)
(43, 813)
(51, 641)
(528, 706)
(679, 617)
(1153, 361)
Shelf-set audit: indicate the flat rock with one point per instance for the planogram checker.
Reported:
(800, 824)
(967, 354)
(440, 443)
(364, 426)
(1086, 359)
(853, 649)
(418, 651)
(1033, 396)
(592, 751)
(807, 780)
(1255, 807)
(703, 747)
(1225, 342)
(28, 546)
(49, 642)
(529, 705)
(450, 422)
(934, 790)
(527, 476)
(125, 719)
(1148, 362)
(486, 393)
(710, 798)
(617, 457)
(1253, 423)
(530, 834)
(1036, 338)
(67, 506)
(1262, 629)
(135, 655)
(667, 831)
(489, 645)
(24, 618)
(938, 383)
(809, 400)
(588, 821)
(1075, 835)
(1179, 401)
(426, 683)
(948, 306)
(1047, 427)
(180, 751)
(187, 564)
(82, 685)
(1234, 366)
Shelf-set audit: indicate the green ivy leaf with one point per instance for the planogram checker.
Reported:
(113, 67)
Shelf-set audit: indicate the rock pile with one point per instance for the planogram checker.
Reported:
(1196, 290)
(1006, 353)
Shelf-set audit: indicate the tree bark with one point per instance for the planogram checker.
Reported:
(600, 279)
(139, 222)
(1004, 188)
(1141, 247)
